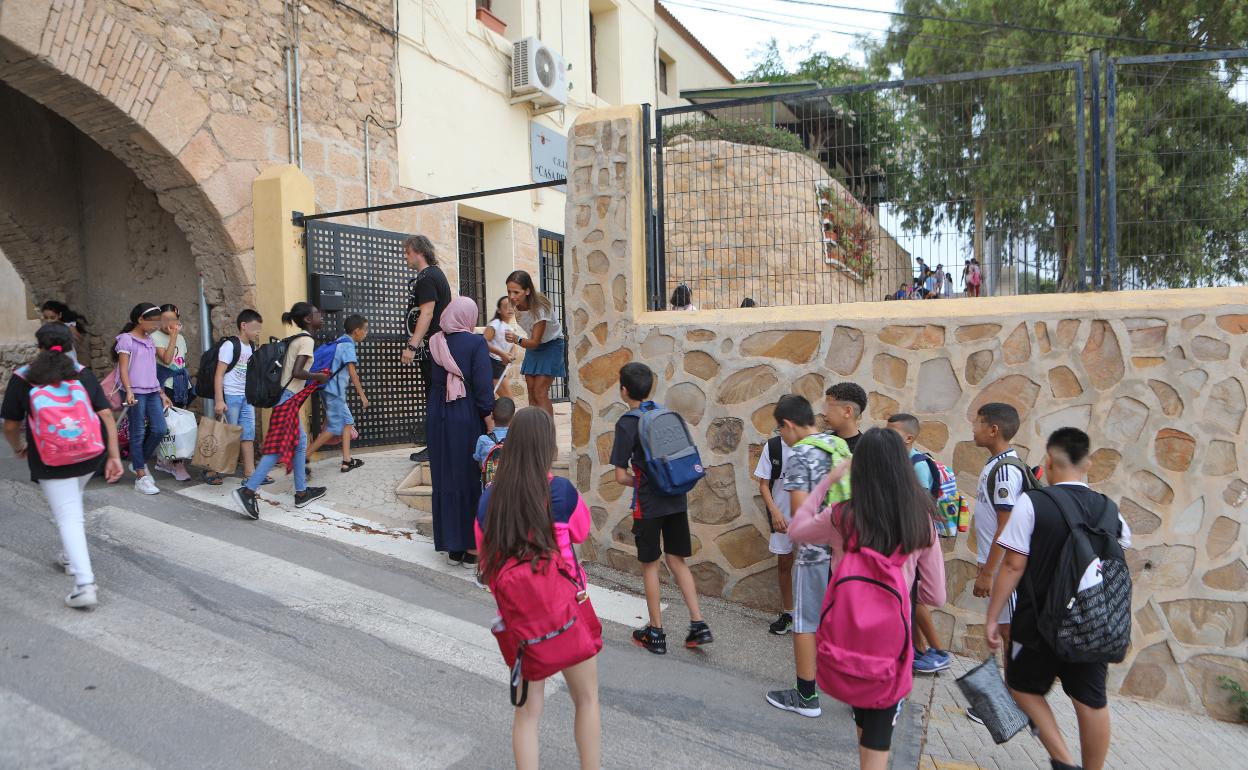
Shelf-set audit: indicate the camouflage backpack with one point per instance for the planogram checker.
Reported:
(489, 466)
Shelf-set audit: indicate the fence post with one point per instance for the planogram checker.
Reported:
(648, 205)
(1096, 172)
(1083, 176)
(1111, 171)
(660, 237)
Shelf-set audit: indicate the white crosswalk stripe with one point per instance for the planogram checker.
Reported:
(32, 736)
(266, 688)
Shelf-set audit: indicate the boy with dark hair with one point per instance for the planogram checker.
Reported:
(928, 658)
(484, 453)
(229, 385)
(1034, 539)
(660, 522)
(814, 455)
(843, 407)
(1000, 484)
(338, 418)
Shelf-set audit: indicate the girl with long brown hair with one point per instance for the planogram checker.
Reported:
(546, 350)
(529, 515)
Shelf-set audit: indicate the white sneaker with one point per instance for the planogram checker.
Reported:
(146, 485)
(63, 561)
(83, 597)
(164, 467)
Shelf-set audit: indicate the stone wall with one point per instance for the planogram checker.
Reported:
(1157, 378)
(192, 98)
(745, 221)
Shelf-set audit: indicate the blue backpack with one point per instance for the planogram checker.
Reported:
(323, 359)
(673, 465)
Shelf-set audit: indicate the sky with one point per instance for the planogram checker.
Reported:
(729, 34)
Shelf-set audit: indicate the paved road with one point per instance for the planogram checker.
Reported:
(226, 643)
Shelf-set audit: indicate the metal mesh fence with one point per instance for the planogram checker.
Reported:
(1177, 133)
(911, 189)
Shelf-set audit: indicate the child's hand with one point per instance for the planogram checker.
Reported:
(363, 401)
(220, 408)
(113, 470)
(164, 400)
(777, 522)
(321, 377)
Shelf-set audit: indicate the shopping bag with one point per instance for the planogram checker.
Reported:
(217, 445)
(180, 440)
(991, 700)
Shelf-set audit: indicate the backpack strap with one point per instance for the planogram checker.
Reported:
(237, 342)
(775, 453)
(1029, 479)
(931, 466)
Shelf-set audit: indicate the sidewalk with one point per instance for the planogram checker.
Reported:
(1145, 735)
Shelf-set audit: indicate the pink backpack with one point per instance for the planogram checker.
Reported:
(546, 622)
(65, 429)
(863, 643)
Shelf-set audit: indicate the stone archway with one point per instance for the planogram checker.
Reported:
(84, 64)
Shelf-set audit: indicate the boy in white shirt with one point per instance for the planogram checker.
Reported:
(770, 470)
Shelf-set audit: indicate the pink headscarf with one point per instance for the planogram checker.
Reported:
(459, 316)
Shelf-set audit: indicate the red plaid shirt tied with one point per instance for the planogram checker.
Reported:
(282, 437)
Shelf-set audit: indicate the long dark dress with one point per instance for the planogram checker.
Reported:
(452, 430)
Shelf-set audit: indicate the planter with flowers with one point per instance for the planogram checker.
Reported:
(846, 233)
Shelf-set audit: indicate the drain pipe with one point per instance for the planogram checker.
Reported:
(290, 106)
(205, 335)
(298, 106)
(368, 176)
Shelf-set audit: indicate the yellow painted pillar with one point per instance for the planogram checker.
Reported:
(281, 261)
(281, 266)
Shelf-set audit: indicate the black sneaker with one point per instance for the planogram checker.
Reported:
(699, 635)
(1062, 765)
(976, 718)
(308, 495)
(419, 457)
(652, 639)
(792, 700)
(248, 502)
(782, 624)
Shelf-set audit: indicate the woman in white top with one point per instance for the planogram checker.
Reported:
(500, 348)
(545, 356)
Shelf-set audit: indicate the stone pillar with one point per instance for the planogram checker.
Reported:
(281, 266)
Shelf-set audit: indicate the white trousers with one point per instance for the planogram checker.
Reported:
(65, 498)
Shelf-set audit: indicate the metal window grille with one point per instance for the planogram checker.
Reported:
(550, 251)
(376, 278)
(472, 264)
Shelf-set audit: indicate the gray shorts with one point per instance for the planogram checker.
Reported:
(810, 585)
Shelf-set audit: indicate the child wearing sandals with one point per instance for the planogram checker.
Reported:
(338, 418)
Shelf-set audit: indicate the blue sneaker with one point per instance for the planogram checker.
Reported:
(931, 661)
(940, 658)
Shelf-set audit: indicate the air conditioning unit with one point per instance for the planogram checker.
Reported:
(538, 74)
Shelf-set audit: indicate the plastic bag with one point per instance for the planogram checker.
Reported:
(179, 441)
(991, 700)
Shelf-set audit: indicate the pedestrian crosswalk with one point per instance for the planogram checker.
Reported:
(247, 645)
(409, 546)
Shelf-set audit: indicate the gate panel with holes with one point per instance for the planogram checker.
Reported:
(374, 279)
(550, 250)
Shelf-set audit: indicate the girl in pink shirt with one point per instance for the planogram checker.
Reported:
(887, 512)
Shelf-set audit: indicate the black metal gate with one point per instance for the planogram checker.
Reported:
(550, 260)
(375, 276)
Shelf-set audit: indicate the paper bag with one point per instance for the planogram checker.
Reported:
(217, 445)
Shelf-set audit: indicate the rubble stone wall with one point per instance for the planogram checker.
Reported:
(1157, 378)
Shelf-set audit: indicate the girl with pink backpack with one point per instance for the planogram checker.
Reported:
(68, 431)
(526, 525)
(878, 537)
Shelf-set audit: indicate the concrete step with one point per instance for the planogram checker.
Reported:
(416, 490)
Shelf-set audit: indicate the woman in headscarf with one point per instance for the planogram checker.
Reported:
(461, 402)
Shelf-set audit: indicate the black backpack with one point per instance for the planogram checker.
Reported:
(1086, 617)
(265, 376)
(775, 453)
(205, 380)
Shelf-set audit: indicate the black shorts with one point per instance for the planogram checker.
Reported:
(674, 529)
(1033, 670)
(499, 368)
(877, 726)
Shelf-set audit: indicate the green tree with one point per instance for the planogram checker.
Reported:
(999, 155)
